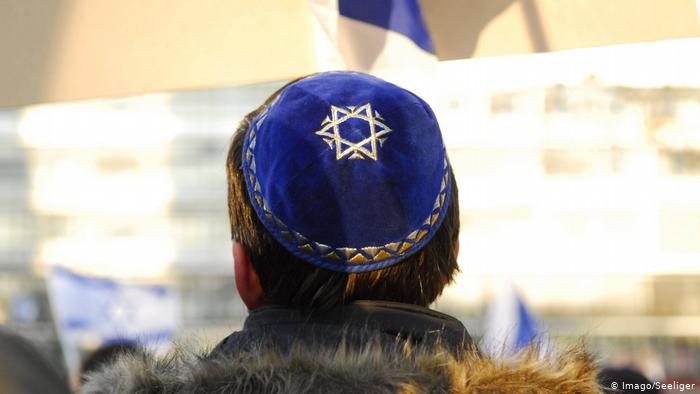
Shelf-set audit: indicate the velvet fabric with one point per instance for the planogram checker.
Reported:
(347, 171)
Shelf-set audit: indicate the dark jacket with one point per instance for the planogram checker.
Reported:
(367, 347)
(390, 323)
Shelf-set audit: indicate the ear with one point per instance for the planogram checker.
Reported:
(247, 281)
(456, 247)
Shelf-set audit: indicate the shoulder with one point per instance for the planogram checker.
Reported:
(370, 369)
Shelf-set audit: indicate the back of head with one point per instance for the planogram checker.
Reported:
(104, 356)
(625, 380)
(339, 188)
(24, 370)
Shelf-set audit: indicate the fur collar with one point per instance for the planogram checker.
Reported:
(348, 370)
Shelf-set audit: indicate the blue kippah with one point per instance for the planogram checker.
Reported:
(347, 171)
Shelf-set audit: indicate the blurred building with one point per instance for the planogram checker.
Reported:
(585, 195)
(129, 188)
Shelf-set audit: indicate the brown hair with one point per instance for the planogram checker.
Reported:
(289, 280)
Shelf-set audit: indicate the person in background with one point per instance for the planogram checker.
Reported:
(105, 355)
(612, 380)
(344, 217)
(23, 370)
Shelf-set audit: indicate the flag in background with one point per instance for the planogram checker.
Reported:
(399, 16)
(90, 312)
(509, 325)
(387, 38)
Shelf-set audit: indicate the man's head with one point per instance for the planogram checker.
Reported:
(340, 189)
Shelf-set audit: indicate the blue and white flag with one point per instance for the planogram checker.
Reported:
(90, 312)
(388, 38)
(509, 325)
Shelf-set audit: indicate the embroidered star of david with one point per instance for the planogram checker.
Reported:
(343, 147)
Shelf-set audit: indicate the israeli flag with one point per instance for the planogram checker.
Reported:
(509, 325)
(387, 38)
(90, 312)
